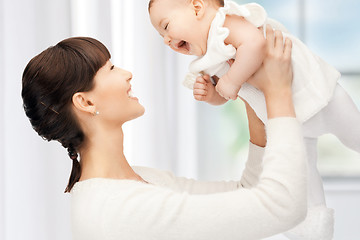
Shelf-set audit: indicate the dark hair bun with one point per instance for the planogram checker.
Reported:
(50, 80)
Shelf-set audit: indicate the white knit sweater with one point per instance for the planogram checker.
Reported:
(270, 198)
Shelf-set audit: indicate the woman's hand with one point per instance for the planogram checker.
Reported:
(276, 71)
(274, 77)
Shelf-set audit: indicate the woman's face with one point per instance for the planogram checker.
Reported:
(112, 96)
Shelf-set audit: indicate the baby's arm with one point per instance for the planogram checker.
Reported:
(250, 46)
(205, 91)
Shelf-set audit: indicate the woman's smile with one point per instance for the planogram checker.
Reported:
(131, 94)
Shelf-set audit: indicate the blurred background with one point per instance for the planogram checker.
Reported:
(176, 133)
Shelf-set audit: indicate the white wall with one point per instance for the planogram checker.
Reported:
(2, 137)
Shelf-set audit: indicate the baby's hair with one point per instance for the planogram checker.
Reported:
(50, 80)
(219, 3)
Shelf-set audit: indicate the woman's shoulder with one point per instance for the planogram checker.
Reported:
(100, 186)
(155, 177)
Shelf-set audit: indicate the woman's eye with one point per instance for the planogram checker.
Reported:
(112, 67)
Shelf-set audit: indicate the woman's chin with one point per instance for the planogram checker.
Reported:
(142, 111)
(138, 113)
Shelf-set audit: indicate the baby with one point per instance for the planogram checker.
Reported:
(218, 31)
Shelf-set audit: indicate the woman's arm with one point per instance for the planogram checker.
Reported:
(276, 64)
(254, 165)
(256, 127)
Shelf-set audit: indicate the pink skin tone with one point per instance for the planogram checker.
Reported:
(176, 20)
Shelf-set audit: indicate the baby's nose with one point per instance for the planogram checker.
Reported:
(167, 40)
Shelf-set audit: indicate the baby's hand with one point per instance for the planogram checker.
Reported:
(227, 89)
(203, 89)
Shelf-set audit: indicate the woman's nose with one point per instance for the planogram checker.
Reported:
(128, 76)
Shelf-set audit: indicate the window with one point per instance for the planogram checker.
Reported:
(328, 28)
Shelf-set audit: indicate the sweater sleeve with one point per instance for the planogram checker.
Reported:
(274, 205)
(253, 167)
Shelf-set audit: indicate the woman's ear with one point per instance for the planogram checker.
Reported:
(82, 103)
(199, 7)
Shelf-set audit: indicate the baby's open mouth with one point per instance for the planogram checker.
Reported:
(183, 45)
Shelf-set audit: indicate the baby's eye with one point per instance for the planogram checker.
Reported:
(166, 26)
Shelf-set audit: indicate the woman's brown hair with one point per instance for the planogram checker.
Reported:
(50, 80)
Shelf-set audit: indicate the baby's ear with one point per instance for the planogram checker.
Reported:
(199, 7)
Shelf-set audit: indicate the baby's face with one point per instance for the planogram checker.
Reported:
(179, 25)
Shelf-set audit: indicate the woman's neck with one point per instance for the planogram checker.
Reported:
(102, 156)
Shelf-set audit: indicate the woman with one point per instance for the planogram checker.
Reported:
(73, 94)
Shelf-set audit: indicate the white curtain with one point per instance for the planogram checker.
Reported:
(2, 140)
(33, 172)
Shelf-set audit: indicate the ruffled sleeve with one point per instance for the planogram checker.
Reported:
(217, 53)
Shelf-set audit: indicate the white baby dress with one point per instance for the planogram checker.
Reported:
(314, 80)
